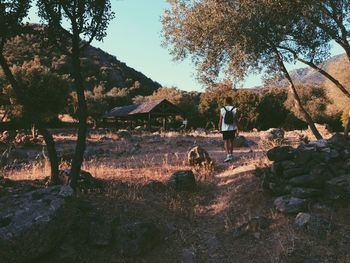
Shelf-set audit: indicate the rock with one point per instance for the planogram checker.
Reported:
(293, 172)
(338, 188)
(241, 141)
(33, 223)
(273, 134)
(314, 224)
(183, 180)
(197, 156)
(281, 153)
(188, 256)
(85, 180)
(137, 238)
(290, 205)
(100, 232)
(302, 219)
(123, 134)
(307, 180)
(278, 167)
(305, 192)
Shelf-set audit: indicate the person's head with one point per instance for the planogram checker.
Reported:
(229, 101)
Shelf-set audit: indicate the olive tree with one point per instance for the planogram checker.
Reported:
(81, 22)
(12, 13)
(234, 38)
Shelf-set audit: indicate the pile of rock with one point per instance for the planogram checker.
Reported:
(319, 169)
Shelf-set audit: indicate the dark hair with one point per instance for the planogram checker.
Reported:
(229, 100)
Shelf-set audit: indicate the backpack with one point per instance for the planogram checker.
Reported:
(228, 119)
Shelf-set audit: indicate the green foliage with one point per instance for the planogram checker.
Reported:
(12, 13)
(315, 101)
(272, 111)
(45, 92)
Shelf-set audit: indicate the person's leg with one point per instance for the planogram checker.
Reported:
(231, 146)
(347, 128)
(227, 146)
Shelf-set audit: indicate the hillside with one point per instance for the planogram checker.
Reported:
(99, 67)
(338, 66)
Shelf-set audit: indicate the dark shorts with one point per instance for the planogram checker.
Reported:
(229, 135)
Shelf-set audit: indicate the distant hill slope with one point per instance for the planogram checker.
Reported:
(339, 67)
(100, 68)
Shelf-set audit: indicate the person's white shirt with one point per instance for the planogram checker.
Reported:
(224, 126)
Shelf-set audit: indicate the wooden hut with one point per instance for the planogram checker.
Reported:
(144, 112)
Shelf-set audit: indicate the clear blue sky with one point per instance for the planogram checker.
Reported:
(134, 37)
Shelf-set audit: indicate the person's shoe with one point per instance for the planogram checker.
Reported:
(228, 158)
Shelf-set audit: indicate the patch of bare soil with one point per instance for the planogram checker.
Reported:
(198, 226)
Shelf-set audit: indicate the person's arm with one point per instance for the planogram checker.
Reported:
(237, 123)
(220, 122)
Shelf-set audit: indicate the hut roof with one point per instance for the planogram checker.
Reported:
(121, 111)
(139, 109)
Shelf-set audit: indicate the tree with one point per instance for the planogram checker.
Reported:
(86, 20)
(308, 40)
(232, 37)
(45, 93)
(12, 14)
(272, 99)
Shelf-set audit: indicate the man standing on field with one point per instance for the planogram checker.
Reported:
(228, 126)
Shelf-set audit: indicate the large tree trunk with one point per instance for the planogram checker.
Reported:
(50, 143)
(82, 114)
(297, 100)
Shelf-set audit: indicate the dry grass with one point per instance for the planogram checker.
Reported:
(226, 198)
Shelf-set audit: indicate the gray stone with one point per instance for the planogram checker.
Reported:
(293, 172)
(302, 219)
(339, 187)
(290, 205)
(313, 224)
(281, 153)
(33, 223)
(183, 180)
(308, 180)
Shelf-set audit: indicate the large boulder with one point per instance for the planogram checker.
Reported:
(33, 223)
(281, 153)
(197, 156)
(183, 180)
